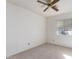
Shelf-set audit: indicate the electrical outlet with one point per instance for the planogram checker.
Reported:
(28, 43)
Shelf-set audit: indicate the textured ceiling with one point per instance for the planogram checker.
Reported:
(64, 6)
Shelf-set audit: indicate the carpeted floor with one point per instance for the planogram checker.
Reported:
(45, 51)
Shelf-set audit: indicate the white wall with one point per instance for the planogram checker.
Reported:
(23, 27)
(51, 31)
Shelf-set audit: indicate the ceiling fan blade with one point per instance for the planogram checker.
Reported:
(55, 1)
(55, 8)
(49, 1)
(42, 2)
(46, 8)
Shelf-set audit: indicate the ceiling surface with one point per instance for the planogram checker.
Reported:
(64, 6)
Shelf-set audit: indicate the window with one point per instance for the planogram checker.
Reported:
(64, 27)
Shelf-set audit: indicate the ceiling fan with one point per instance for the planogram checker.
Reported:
(50, 3)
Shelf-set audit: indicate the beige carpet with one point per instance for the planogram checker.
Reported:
(45, 51)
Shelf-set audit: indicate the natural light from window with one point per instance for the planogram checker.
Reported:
(67, 56)
(64, 27)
